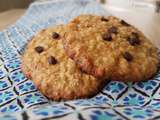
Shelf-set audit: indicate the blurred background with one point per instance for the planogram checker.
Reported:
(144, 14)
(11, 10)
(11, 4)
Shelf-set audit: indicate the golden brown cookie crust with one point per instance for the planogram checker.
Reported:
(57, 77)
(110, 48)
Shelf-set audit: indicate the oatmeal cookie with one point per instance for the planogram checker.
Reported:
(110, 48)
(53, 72)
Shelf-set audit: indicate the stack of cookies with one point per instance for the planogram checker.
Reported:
(76, 60)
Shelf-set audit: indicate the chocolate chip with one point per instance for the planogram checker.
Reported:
(104, 19)
(107, 37)
(52, 60)
(134, 39)
(113, 30)
(39, 49)
(55, 35)
(43, 30)
(128, 56)
(134, 34)
(124, 23)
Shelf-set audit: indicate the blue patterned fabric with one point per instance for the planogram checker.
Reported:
(19, 99)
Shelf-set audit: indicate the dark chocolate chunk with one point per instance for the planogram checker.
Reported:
(39, 49)
(55, 35)
(104, 19)
(52, 60)
(124, 23)
(43, 30)
(113, 30)
(134, 39)
(107, 37)
(134, 34)
(128, 56)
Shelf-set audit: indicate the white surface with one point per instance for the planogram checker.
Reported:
(147, 22)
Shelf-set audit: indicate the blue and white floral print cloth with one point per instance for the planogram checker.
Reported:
(19, 99)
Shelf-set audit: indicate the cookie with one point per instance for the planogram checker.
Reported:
(110, 48)
(52, 71)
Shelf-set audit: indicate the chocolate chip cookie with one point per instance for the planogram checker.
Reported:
(110, 48)
(53, 72)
